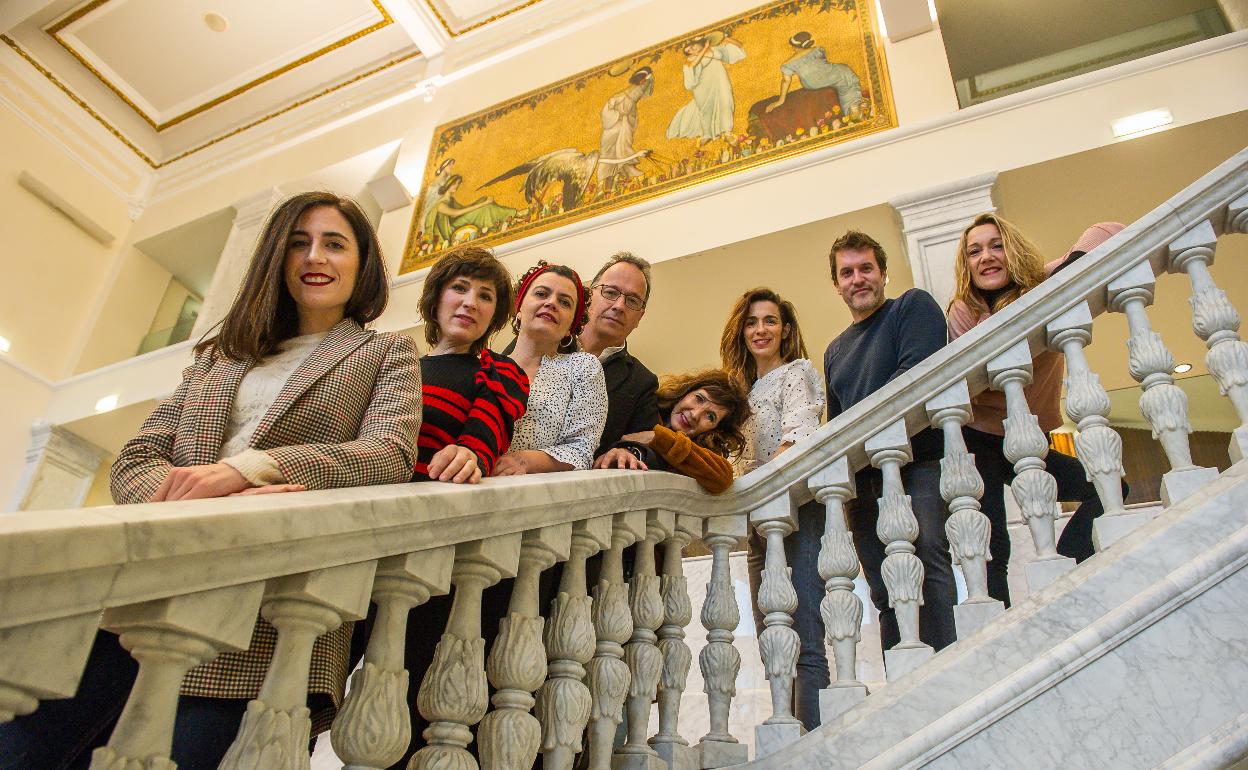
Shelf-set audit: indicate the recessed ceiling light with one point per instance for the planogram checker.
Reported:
(216, 22)
(1182, 368)
(106, 404)
(1141, 123)
(5, 345)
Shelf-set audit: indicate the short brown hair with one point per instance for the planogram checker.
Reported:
(473, 262)
(856, 240)
(630, 258)
(726, 438)
(264, 314)
(735, 357)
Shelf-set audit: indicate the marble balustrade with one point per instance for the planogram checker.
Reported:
(181, 582)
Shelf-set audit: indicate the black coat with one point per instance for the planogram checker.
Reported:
(632, 398)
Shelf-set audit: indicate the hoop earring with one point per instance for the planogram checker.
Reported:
(567, 341)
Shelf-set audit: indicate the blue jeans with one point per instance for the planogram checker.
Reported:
(922, 483)
(801, 550)
(61, 734)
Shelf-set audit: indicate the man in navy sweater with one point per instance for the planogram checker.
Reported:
(888, 337)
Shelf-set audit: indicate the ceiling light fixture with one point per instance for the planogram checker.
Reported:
(1182, 368)
(1141, 123)
(216, 22)
(106, 404)
(5, 345)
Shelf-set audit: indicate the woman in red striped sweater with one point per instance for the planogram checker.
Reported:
(471, 396)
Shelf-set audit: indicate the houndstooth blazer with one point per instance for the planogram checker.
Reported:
(348, 416)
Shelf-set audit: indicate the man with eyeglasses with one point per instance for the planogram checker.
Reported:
(617, 301)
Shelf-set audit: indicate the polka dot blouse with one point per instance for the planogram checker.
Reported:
(567, 410)
(788, 405)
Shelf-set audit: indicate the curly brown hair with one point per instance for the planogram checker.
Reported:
(735, 357)
(726, 438)
(473, 262)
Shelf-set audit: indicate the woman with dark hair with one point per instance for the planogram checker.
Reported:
(472, 397)
(567, 406)
(762, 344)
(702, 415)
(995, 265)
(292, 393)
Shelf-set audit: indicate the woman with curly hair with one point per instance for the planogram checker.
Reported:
(702, 415)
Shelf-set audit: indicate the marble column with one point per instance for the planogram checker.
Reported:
(932, 221)
(60, 467)
(250, 215)
(720, 661)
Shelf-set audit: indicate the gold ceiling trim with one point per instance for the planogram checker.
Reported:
(55, 29)
(446, 26)
(161, 164)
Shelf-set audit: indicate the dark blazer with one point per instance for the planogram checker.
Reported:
(632, 400)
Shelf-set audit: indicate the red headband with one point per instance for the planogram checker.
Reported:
(579, 319)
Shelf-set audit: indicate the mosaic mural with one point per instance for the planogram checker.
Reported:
(784, 79)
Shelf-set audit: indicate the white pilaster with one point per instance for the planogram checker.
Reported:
(932, 221)
(60, 467)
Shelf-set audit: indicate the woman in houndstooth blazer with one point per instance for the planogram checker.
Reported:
(292, 394)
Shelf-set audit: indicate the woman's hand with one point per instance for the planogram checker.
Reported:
(641, 437)
(621, 458)
(455, 464)
(510, 465)
(269, 489)
(199, 481)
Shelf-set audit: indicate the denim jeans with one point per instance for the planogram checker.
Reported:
(801, 550)
(922, 483)
(62, 734)
(1072, 487)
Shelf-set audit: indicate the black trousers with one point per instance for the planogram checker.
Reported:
(1072, 487)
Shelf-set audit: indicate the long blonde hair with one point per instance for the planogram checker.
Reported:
(1023, 263)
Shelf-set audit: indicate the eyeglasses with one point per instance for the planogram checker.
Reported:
(611, 294)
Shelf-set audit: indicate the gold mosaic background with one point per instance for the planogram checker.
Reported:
(568, 116)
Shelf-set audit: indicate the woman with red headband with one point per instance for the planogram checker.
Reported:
(567, 393)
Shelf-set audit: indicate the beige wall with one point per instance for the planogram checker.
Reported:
(53, 270)
(128, 311)
(24, 401)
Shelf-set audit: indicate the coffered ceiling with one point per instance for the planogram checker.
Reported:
(171, 79)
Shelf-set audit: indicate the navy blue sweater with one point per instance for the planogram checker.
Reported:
(872, 352)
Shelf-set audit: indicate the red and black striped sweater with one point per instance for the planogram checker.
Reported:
(473, 401)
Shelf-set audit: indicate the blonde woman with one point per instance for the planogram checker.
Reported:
(995, 265)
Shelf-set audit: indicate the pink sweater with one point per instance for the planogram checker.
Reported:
(1043, 394)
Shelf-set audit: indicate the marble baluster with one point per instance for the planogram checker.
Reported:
(169, 637)
(645, 662)
(453, 692)
(374, 727)
(43, 660)
(1237, 215)
(967, 528)
(607, 674)
(677, 658)
(1025, 446)
(1162, 403)
(1098, 446)
(720, 661)
(841, 608)
(564, 701)
(898, 528)
(778, 643)
(277, 726)
(509, 736)
(1216, 321)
